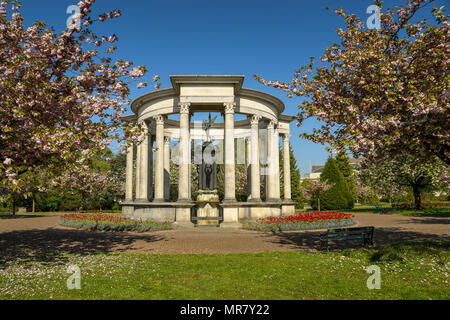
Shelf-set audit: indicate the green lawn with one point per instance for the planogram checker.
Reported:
(408, 271)
(7, 215)
(17, 216)
(433, 212)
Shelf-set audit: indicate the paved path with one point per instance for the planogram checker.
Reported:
(22, 237)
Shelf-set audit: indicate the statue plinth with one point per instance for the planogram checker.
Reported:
(207, 204)
(208, 207)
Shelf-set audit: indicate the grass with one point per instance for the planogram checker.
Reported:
(63, 212)
(8, 215)
(408, 271)
(17, 216)
(432, 212)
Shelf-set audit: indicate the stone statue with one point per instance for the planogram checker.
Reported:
(207, 124)
(208, 169)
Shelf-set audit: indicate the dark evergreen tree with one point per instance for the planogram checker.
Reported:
(338, 197)
(343, 163)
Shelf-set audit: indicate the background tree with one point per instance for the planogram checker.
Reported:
(381, 91)
(174, 176)
(404, 171)
(241, 183)
(313, 189)
(343, 163)
(365, 194)
(117, 166)
(95, 186)
(338, 196)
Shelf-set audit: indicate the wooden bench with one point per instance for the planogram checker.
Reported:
(364, 233)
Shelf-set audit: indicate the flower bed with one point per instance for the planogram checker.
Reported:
(110, 222)
(303, 221)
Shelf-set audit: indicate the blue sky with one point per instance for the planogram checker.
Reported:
(267, 37)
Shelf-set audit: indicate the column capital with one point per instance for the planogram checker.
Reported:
(286, 136)
(143, 124)
(159, 119)
(184, 107)
(167, 140)
(229, 107)
(271, 125)
(254, 120)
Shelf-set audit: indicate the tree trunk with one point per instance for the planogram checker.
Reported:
(417, 198)
(14, 206)
(34, 204)
(318, 203)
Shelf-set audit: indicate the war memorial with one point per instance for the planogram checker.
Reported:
(255, 140)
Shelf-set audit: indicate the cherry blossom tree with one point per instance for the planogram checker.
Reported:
(405, 172)
(61, 94)
(382, 91)
(94, 184)
(313, 189)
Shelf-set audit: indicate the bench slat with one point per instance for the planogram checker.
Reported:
(365, 233)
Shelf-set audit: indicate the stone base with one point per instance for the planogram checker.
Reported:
(160, 212)
(259, 210)
(207, 210)
(207, 206)
(230, 214)
(287, 209)
(234, 212)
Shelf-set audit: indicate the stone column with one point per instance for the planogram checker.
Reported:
(276, 146)
(287, 167)
(150, 168)
(138, 170)
(230, 174)
(129, 174)
(255, 174)
(270, 173)
(167, 168)
(159, 164)
(184, 177)
(143, 164)
(248, 151)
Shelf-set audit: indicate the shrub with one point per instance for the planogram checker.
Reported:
(338, 197)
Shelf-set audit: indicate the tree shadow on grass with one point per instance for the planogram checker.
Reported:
(436, 220)
(309, 240)
(19, 216)
(51, 246)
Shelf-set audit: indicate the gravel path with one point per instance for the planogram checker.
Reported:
(33, 236)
